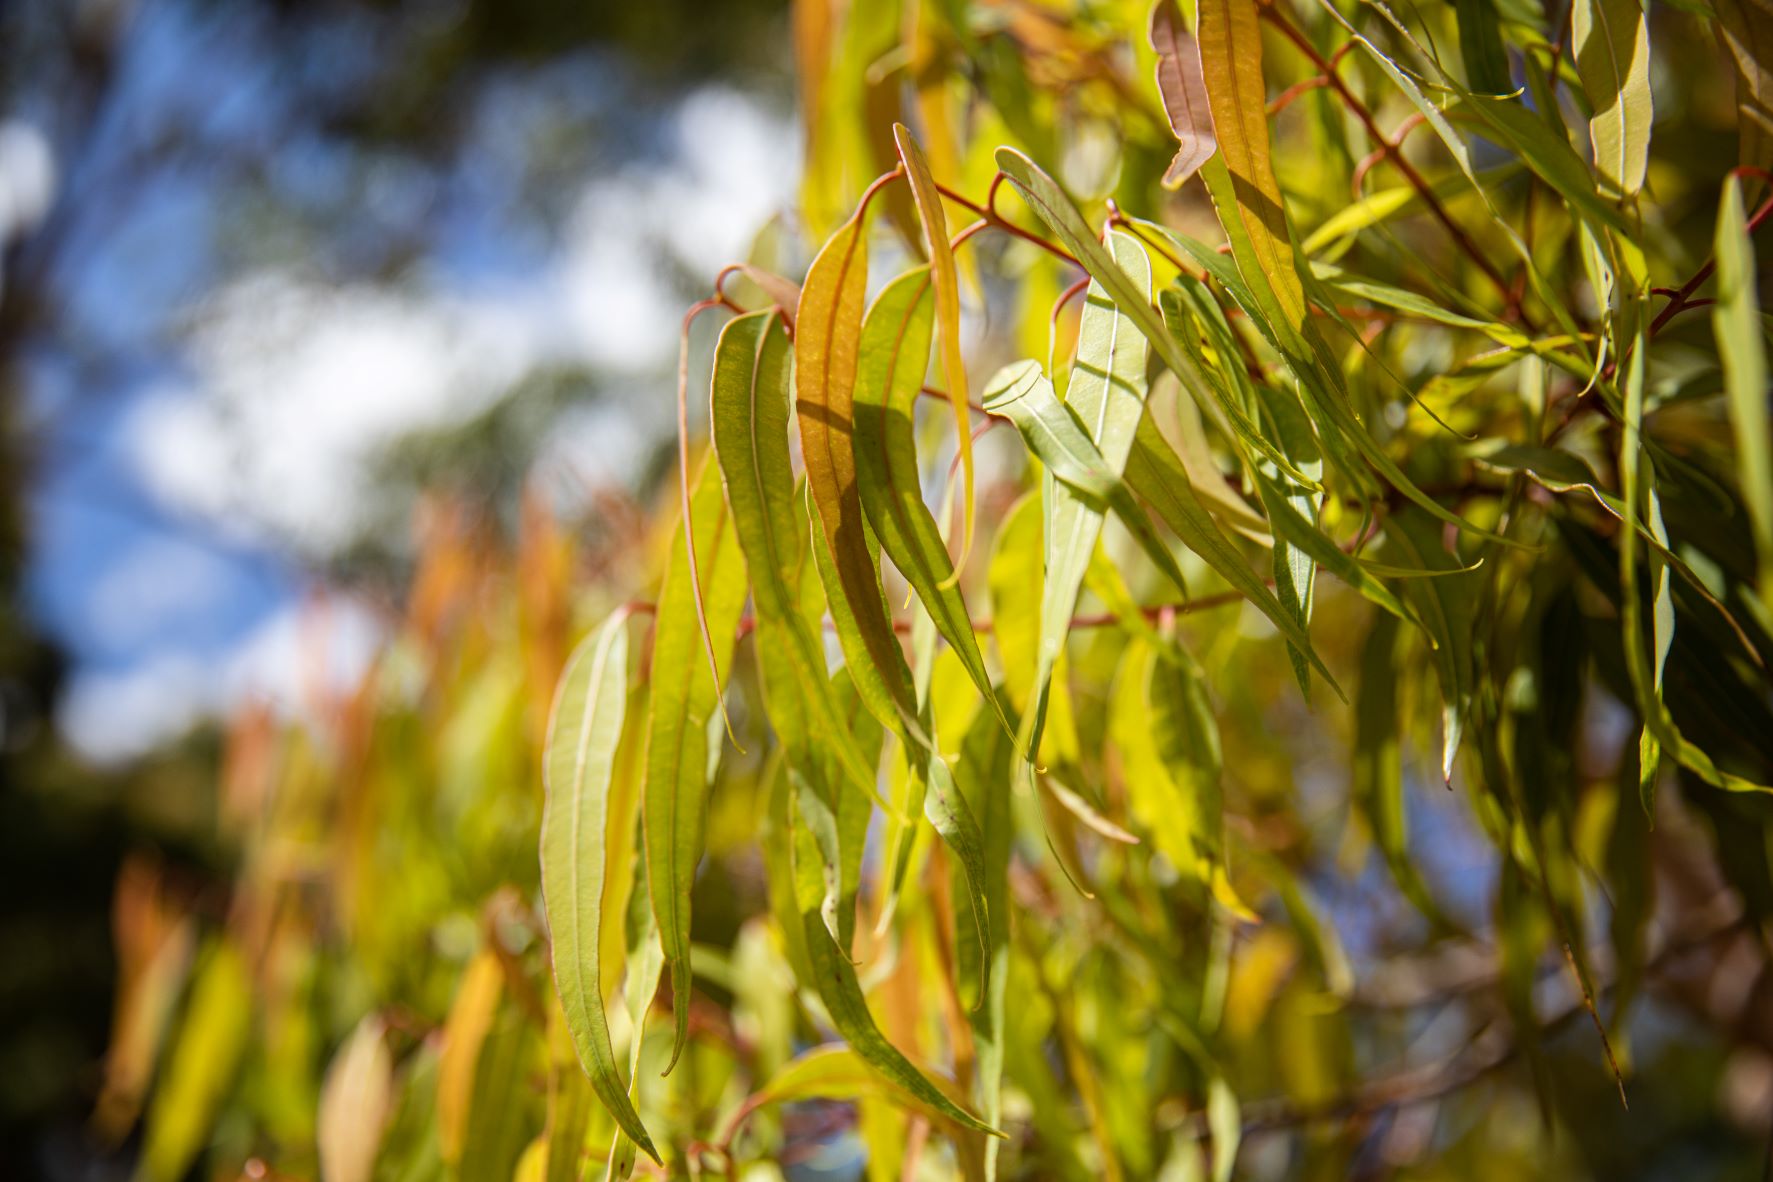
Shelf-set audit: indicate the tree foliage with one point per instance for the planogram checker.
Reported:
(1242, 630)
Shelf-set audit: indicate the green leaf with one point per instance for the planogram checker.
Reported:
(1446, 609)
(895, 348)
(1377, 780)
(947, 284)
(1736, 319)
(1562, 472)
(1658, 722)
(1183, 91)
(1049, 202)
(1106, 396)
(749, 410)
(584, 729)
(982, 776)
(1154, 472)
(1481, 48)
(1612, 39)
(684, 699)
(1163, 726)
(499, 1118)
(1024, 395)
(201, 1065)
(836, 984)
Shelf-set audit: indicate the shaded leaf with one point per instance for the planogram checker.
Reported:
(1183, 91)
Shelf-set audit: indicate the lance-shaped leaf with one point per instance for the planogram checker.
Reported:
(1613, 60)
(749, 410)
(1564, 472)
(837, 986)
(1159, 478)
(1659, 724)
(946, 281)
(895, 349)
(1747, 29)
(578, 764)
(1106, 397)
(1446, 607)
(1481, 48)
(1323, 391)
(1183, 91)
(1736, 320)
(1163, 726)
(982, 776)
(1231, 63)
(827, 345)
(684, 698)
(1377, 774)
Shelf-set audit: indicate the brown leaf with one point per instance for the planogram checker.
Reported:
(1184, 93)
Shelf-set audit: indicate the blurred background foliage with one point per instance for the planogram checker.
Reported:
(328, 873)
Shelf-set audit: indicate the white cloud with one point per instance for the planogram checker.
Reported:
(299, 655)
(296, 387)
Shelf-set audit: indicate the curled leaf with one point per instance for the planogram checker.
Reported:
(1184, 93)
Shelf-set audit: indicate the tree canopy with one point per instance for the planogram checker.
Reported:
(1211, 619)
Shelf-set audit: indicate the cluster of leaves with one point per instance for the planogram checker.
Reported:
(1044, 883)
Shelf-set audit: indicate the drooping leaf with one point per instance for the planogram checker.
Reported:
(1048, 201)
(1445, 606)
(1243, 186)
(583, 732)
(835, 980)
(1736, 320)
(1377, 779)
(946, 281)
(1155, 473)
(1024, 395)
(683, 699)
(1163, 726)
(827, 346)
(894, 351)
(1106, 397)
(749, 412)
(1612, 48)
(500, 1113)
(1747, 29)
(1183, 92)
(1481, 48)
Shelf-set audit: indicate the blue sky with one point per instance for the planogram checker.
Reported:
(245, 306)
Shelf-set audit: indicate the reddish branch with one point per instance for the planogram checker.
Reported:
(1388, 148)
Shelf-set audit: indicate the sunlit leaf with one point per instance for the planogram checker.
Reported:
(945, 280)
(583, 731)
(684, 698)
(1611, 40)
